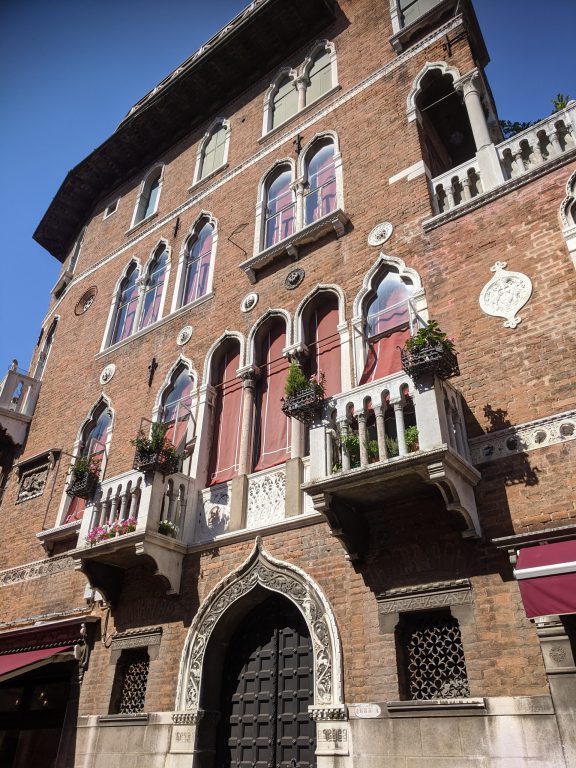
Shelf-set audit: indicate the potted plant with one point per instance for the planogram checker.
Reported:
(429, 351)
(84, 479)
(103, 532)
(167, 528)
(411, 437)
(351, 444)
(155, 453)
(304, 396)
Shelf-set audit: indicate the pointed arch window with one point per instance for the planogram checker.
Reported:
(280, 207)
(197, 263)
(284, 102)
(323, 341)
(388, 318)
(149, 196)
(176, 412)
(319, 76)
(46, 347)
(93, 445)
(127, 306)
(213, 155)
(225, 448)
(320, 196)
(154, 288)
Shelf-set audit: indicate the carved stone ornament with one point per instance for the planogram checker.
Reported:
(86, 301)
(107, 373)
(505, 294)
(260, 569)
(36, 570)
(32, 483)
(294, 278)
(184, 335)
(380, 234)
(249, 302)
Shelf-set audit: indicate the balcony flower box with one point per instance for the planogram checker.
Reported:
(84, 480)
(155, 453)
(429, 352)
(104, 532)
(304, 397)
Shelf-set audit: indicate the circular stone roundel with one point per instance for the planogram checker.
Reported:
(380, 233)
(86, 301)
(184, 335)
(249, 302)
(294, 278)
(107, 373)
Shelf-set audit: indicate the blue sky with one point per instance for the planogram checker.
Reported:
(70, 70)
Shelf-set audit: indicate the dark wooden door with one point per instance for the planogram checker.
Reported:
(267, 688)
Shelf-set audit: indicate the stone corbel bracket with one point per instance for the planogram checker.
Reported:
(344, 524)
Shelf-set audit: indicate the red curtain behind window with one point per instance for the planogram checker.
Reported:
(224, 452)
(324, 344)
(272, 438)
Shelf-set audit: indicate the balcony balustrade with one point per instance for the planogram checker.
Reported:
(18, 396)
(540, 144)
(384, 466)
(134, 515)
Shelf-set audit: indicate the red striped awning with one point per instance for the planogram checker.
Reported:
(547, 578)
(13, 664)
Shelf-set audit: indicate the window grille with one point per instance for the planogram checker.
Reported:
(433, 656)
(134, 676)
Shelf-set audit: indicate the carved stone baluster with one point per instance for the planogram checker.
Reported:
(450, 196)
(105, 506)
(124, 505)
(114, 508)
(135, 503)
(170, 495)
(399, 416)
(345, 455)
(519, 161)
(466, 194)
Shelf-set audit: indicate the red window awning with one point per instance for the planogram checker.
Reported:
(547, 578)
(14, 664)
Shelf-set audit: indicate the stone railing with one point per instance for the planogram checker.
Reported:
(147, 500)
(456, 186)
(541, 143)
(19, 392)
(377, 414)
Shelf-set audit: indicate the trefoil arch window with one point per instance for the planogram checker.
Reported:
(280, 207)
(213, 150)
(127, 306)
(154, 288)
(320, 184)
(147, 203)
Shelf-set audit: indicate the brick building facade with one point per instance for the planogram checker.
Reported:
(382, 572)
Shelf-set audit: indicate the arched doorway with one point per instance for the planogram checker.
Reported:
(267, 687)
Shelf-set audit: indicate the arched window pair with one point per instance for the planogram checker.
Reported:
(294, 90)
(149, 196)
(138, 301)
(289, 205)
(213, 150)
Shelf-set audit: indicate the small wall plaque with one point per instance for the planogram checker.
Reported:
(381, 233)
(249, 302)
(184, 335)
(107, 373)
(505, 294)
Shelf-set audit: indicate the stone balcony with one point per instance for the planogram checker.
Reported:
(18, 396)
(135, 505)
(341, 488)
(528, 152)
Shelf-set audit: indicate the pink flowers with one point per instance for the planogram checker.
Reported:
(110, 531)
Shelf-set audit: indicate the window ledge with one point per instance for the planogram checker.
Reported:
(308, 108)
(153, 326)
(141, 223)
(50, 536)
(135, 719)
(404, 37)
(335, 221)
(63, 282)
(204, 179)
(435, 707)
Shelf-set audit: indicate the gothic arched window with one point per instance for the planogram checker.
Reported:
(176, 412)
(320, 197)
(126, 307)
(154, 287)
(197, 263)
(284, 101)
(280, 207)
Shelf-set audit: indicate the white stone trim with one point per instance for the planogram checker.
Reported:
(177, 294)
(568, 212)
(279, 141)
(445, 69)
(410, 173)
(303, 162)
(529, 436)
(220, 340)
(267, 114)
(214, 125)
(144, 275)
(321, 45)
(260, 218)
(253, 333)
(181, 361)
(36, 570)
(261, 569)
(107, 338)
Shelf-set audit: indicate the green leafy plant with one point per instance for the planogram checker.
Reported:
(155, 442)
(296, 381)
(429, 335)
(560, 101)
(512, 127)
(411, 437)
(372, 450)
(167, 528)
(351, 443)
(84, 465)
(391, 446)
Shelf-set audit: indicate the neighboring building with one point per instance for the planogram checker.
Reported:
(316, 184)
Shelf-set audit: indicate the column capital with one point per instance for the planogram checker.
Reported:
(249, 374)
(469, 83)
(303, 81)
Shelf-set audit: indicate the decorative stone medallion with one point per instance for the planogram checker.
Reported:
(381, 233)
(32, 483)
(107, 373)
(294, 278)
(86, 301)
(505, 294)
(184, 335)
(249, 302)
